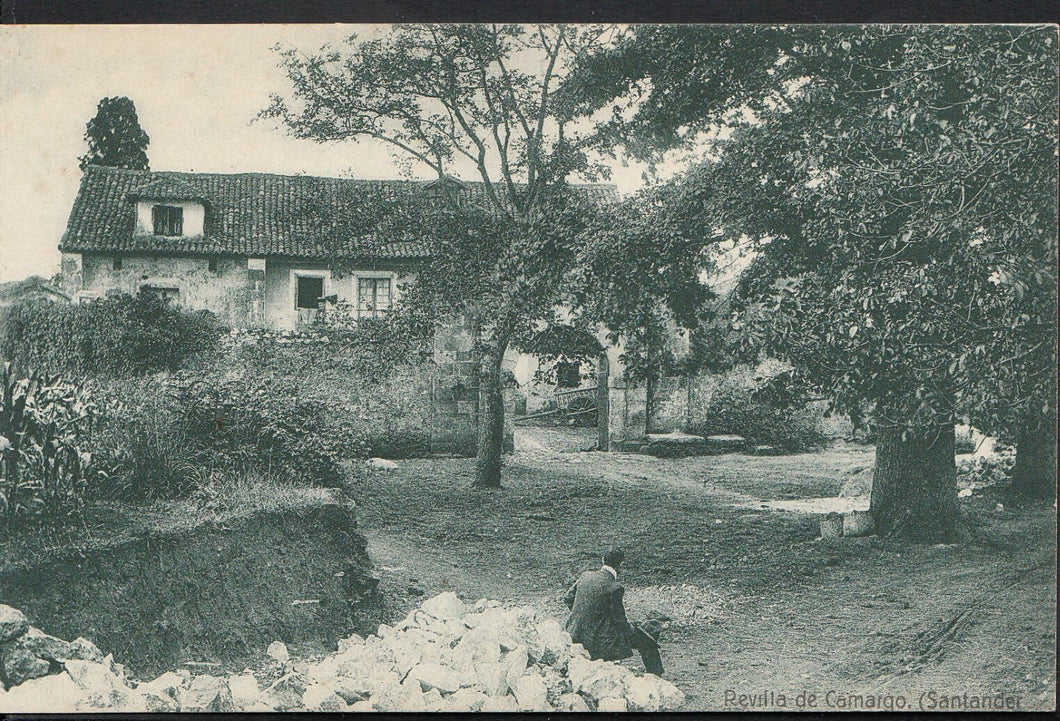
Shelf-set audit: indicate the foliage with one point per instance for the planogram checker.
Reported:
(376, 378)
(267, 423)
(759, 404)
(114, 136)
(147, 453)
(900, 182)
(119, 336)
(485, 96)
(44, 469)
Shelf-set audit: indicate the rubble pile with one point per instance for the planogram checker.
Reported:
(444, 656)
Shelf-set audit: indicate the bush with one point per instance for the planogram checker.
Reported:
(146, 452)
(374, 381)
(267, 423)
(119, 336)
(752, 402)
(44, 423)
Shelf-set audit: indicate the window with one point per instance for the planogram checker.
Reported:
(373, 297)
(213, 265)
(310, 290)
(168, 220)
(117, 263)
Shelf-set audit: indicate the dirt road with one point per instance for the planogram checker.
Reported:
(759, 606)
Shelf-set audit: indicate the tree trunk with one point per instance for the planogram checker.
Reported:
(1034, 474)
(914, 484)
(490, 423)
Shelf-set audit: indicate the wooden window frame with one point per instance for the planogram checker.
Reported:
(167, 220)
(374, 280)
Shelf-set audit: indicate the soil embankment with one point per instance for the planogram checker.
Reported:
(216, 593)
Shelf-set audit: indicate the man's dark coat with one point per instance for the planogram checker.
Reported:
(598, 617)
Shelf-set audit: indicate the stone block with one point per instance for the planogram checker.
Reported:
(13, 623)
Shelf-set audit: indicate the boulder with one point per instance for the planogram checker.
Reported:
(43, 646)
(102, 687)
(382, 464)
(18, 664)
(612, 703)
(435, 676)
(157, 702)
(349, 642)
(445, 605)
(530, 693)
(515, 661)
(601, 679)
(465, 699)
(168, 684)
(499, 704)
(13, 623)
(552, 643)
(492, 678)
(244, 689)
(348, 690)
(477, 645)
(432, 700)
(651, 693)
(286, 692)
(572, 702)
(207, 693)
(318, 697)
(362, 706)
(857, 523)
(57, 693)
(84, 650)
(277, 651)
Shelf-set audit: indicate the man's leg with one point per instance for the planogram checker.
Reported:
(649, 651)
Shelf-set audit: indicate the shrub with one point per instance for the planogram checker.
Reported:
(266, 423)
(147, 454)
(118, 336)
(44, 422)
(757, 404)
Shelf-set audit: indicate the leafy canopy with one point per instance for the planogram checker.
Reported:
(114, 136)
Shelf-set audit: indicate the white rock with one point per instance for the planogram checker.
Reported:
(445, 605)
(363, 706)
(553, 642)
(611, 703)
(103, 688)
(207, 693)
(432, 700)
(530, 693)
(286, 692)
(478, 646)
(492, 678)
(57, 693)
(516, 662)
(571, 702)
(13, 623)
(244, 689)
(318, 697)
(436, 676)
(277, 651)
(499, 704)
(349, 642)
(168, 684)
(158, 702)
(465, 699)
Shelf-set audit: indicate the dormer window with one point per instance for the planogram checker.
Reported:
(168, 220)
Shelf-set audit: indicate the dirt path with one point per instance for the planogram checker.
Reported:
(758, 604)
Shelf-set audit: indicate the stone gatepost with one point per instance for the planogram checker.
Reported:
(255, 292)
(627, 407)
(454, 395)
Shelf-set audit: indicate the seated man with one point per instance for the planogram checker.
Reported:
(598, 617)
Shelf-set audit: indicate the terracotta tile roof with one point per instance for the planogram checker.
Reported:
(253, 214)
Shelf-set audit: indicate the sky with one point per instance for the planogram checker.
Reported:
(196, 90)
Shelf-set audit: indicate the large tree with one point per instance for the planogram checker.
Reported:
(901, 183)
(114, 136)
(480, 97)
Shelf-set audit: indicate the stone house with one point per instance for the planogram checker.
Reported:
(265, 251)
